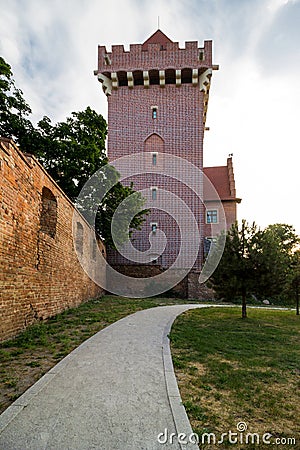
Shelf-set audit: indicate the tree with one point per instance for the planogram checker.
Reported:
(14, 110)
(254, 261)
(71, 151)
(235, 274)
(133, 205)
(293, 279)
(275, 258)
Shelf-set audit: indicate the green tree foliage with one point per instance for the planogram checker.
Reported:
(293, 280)
(14, 110)
(275, 258)
(254, 262)
(71, 151)
(129, 218)
(235, 273)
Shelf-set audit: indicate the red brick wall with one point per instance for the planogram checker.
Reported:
(177, 130)
(39, 272)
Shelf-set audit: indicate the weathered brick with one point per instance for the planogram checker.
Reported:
(40, 274)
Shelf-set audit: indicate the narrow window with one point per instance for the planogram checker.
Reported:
(48, 219)
(79, 239)
(153, 227)
(153, 193)
(154, 112)
(212, 216)
(94, 249)
(154, 159)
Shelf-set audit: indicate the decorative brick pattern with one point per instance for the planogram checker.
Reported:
(40, 275)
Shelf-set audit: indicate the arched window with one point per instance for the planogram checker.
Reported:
(48, 219)
(79, 239)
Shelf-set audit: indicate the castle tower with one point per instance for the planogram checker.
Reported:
(157, 103)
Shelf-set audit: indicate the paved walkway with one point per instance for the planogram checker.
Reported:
(116, 391)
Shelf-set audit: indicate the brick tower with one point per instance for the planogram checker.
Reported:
(157, 102)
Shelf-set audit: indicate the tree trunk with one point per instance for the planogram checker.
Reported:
(297, 298)
(244, 304)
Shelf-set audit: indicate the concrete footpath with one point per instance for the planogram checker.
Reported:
(116, 391)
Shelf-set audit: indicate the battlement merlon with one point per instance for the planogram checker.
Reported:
(154, 56)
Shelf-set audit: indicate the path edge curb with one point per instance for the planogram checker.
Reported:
(180, 417)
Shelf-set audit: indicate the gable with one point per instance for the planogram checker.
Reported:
(157, 38)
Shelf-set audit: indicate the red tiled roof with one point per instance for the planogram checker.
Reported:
(219, 177)
(157, 38)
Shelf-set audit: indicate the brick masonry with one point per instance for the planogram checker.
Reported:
(40, 274)
(161, 77)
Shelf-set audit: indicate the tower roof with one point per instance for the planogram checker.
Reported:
(156, 38)
(222, 178)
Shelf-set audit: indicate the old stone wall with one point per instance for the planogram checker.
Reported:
(40, 274)
(188, 288)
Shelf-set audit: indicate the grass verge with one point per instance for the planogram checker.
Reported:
(231, 370)
(24, 359)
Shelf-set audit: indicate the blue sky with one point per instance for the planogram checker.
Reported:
(254, 106)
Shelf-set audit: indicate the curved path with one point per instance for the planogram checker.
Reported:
(116, 391)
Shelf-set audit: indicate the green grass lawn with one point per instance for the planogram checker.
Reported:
(24, 359)
(231, 370)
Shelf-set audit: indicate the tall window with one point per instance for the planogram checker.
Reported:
(154, 159)
(212, 216)
(79, 239)
(154, 193)
(48, 219)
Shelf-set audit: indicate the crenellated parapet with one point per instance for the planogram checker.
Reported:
(160, 57)
(158, 61)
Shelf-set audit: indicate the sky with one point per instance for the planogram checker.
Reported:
(254, 105)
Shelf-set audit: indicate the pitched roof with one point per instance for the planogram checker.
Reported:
(219, 178)
(222, 178)
(156, 38)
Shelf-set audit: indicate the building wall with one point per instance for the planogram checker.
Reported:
(40, 275)
(178, 130)
(176, 83)
(229, 207)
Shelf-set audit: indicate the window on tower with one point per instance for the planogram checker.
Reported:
(154, 159)
(154, 193)
(153, 227)
(154, 112)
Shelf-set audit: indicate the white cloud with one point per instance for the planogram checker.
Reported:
(255, 98)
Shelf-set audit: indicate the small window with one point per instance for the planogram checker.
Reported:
(153, 227)
(153, 193)
(48, 218)
(212, 216)
(154, 159)
(154, 112)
